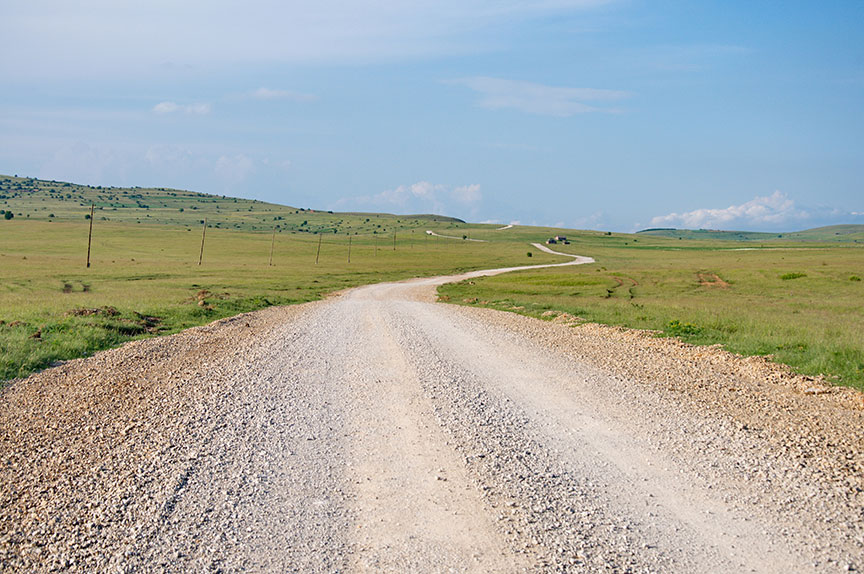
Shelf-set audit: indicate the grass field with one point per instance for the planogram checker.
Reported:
(801, 302)
(145, 279)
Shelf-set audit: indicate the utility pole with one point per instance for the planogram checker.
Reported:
(349, 249)
(90, 235)
(394, 240)
(272, 243)
(317, 253)
(203, 235)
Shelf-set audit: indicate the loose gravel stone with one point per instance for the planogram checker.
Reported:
(380, 431)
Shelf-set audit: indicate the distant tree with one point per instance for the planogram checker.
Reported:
(8, 215)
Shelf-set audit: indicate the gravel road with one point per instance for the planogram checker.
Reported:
(379, 431)
(433, 234)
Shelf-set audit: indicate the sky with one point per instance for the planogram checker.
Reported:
(614, 115)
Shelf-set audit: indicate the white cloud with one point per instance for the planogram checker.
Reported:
(81, 161)
(773, 209)
(206, 33)
(434, 193)
(467, 193)
(404, 193)
(166, 108)
(197, 109)
(423, 196)
(234, 169)
(268, 94)
(498, 93)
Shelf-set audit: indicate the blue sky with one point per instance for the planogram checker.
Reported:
(596, 114)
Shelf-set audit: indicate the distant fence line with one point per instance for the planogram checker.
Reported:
(407, 237)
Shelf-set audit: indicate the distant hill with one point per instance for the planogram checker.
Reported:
(852, 233)
(41, 200)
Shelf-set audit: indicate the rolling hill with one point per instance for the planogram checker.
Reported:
(42, 200)
(852, 233)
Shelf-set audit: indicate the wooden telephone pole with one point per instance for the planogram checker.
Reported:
(203, 235)
(90, 235)
(272, 243)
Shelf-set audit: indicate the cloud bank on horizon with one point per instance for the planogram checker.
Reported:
(775, 211)
(580, 113)
(420, 197)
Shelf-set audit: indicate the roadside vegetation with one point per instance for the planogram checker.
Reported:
(145, 280)
(798, 301)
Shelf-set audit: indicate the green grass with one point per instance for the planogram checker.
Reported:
(151, 271)
(706, 293)
(40, 200)
(798, 301)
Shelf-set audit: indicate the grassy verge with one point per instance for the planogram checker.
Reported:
(145, 280)
(802, 305)
(798, 302)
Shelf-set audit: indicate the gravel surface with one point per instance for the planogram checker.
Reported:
(381, 431)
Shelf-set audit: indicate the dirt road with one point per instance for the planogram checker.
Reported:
(379, 431)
